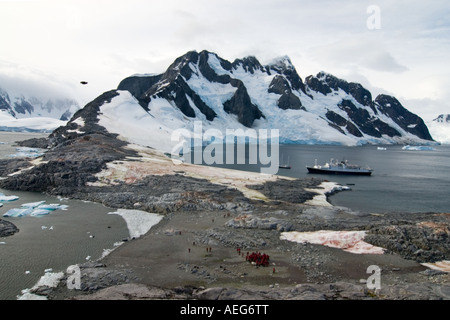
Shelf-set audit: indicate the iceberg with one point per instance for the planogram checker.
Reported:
(418, 148)
(34, 209)
(4, 198)
(39, 212)
(33, 205)
(51, 207)
(18, 212)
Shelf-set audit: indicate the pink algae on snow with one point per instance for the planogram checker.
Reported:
(350, 241)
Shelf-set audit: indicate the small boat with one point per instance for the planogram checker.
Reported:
(284, 166)
(339, 167)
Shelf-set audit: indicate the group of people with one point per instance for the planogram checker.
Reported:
(258, 258)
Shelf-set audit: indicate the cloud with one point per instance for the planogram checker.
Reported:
(357, 52)
(19, 79)
(105, 41)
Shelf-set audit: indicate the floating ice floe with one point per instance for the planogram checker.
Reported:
(350, 241)
(34, 209)
(5, 198)
(32, 205)
(418, 148)
(25, 152)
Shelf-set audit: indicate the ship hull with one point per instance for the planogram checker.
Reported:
(344, 172)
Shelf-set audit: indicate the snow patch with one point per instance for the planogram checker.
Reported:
(35, 124)
(49, 279)
(349, 241)
(138, 222)
(324, 189)
(440, 265)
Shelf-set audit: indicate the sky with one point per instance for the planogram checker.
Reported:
(400, 47)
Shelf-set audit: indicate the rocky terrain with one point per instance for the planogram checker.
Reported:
(7, 228)
(213, 217)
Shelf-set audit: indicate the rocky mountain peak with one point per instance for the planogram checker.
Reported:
(22, 106)
(442, 118)
(203, 86)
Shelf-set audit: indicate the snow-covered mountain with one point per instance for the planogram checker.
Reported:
(21, 113)
(440, 128)
(243, 94)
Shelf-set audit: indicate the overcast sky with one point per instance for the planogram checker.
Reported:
(399, 47)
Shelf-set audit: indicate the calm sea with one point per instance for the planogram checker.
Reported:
(54, 241)
(407, 181)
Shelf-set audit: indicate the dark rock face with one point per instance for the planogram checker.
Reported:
(361, 120)
(249, 64)
(286, 69)
(326, 83)
(442, 118)
(240, 104)
(365, 122)
(288, 100)
(4, 104)
(23, 107)
(170, 86)
(7, 228)
(338, 121)
(362, 112)
(407, 120)
(69, 166)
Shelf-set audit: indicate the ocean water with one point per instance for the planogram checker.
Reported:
(54, 241)
(406, 181)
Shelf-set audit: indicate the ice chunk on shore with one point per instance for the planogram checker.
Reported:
(138, 222)
(324, 189)
(49, 279)
(350, 241)
(25, 152)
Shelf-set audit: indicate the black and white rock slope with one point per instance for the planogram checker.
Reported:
(21, 112)
(440, 128)
(201, 86)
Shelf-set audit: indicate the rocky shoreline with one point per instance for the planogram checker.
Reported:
(209, 214)
(7, 228)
